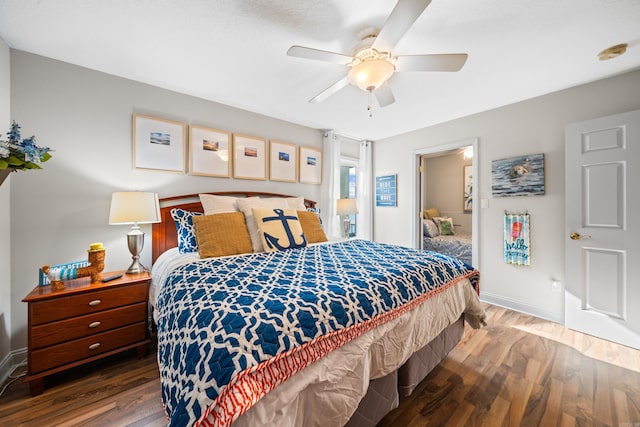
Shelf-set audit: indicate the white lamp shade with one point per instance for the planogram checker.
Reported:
(370, 74)
(347, 207)
(134, 207)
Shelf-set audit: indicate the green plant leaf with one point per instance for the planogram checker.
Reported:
(3, 164)
(14, 161)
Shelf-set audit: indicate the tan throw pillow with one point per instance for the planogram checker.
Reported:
(222, 234)
(311, 227)
(246, 205)
(279, 229)
(431, 213)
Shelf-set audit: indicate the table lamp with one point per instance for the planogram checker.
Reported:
(346, 207)
(134, 207)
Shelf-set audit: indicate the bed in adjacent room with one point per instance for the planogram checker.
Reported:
(290, 329)
(439, 234)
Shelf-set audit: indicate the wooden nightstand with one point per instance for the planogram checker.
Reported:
(85, 322)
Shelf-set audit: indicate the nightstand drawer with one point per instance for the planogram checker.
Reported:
(78, 327)
(54, 309)
(71, 351)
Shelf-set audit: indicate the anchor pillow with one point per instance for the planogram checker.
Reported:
(279, 229)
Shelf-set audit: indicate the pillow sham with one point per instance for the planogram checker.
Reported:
(430, 228)
(279, 229)
(246, 205)
(445, 225)
(296, 203)
(184, 227)
(311, 227)
(222, 234)
(214, 204)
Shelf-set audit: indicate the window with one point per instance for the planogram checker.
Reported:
(348, 173)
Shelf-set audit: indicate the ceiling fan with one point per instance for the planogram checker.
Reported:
(372, 63)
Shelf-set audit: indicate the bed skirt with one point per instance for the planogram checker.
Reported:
(383, 394)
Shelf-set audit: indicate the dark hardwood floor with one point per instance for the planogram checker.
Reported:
(517, 371)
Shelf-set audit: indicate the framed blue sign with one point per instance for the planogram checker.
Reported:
(386, 194)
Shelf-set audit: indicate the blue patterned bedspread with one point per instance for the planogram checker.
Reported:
(226, 326)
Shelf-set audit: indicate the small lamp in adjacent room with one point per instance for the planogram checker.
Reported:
(134, 207)
(346, 207)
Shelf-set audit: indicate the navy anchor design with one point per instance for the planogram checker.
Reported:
(272, 241)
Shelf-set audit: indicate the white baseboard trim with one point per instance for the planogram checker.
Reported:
(10, 362)
(521, 307)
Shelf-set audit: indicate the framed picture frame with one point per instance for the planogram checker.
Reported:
(518, 176)
(284, 161)
(467, 188)
(158, 144)
(209, 152)
(387, 190)
(310, 165)
(249, 157)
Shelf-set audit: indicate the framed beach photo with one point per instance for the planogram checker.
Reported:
(249, 157)
(284, 161)
(310, 165)
(518, 176)
(209, 152)
(158, 144)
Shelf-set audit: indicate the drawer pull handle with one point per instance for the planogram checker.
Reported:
(94, 324)
(94, 346)
(95, 302)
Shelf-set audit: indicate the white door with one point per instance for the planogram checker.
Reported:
(602, 225)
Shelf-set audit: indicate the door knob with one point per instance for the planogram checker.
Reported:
(577, 236)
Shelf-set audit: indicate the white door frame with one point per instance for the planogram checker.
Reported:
(416, 220)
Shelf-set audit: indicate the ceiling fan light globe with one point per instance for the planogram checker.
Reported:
(370, 74)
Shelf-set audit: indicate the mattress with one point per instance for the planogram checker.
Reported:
(327, 390)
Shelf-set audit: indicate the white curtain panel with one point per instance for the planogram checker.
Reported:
(364, 191)
(330, 184)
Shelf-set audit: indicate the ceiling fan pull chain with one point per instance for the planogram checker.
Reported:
(369, 103)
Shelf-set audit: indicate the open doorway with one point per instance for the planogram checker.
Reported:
(444, 191)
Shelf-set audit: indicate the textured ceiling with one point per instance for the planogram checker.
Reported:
(234, 51)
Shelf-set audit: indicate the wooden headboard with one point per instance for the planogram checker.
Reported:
(164, 235)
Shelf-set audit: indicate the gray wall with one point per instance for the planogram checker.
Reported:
(528, 127)
(85, 116)
(443, 187)
(5, 218)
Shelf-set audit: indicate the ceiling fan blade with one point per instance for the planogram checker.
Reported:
(438, 62)
(384, 95)
(330, 90)
(319, 55)
(402, 17)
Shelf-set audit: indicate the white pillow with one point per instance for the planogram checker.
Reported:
(296, 203)
(246, 205)
(213, 204)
